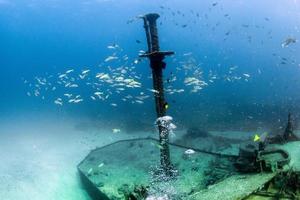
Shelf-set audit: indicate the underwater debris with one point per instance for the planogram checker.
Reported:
(285, 185)
(133, 192)
(218, 169)
(137, 193)
(255, 158)
(286, 136)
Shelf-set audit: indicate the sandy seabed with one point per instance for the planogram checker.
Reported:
(39, 156)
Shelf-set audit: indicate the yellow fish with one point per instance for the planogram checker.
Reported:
(256, 138)
(166, 105)
(157, 145)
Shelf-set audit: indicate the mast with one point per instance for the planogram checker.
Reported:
(157, 65)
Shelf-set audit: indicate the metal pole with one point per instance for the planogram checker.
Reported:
(289, 134)
(157, 65)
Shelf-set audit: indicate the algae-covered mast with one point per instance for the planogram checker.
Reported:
(157, 65)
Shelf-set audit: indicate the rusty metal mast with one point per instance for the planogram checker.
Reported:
(157, 65)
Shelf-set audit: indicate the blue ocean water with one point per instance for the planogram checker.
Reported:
(41, 38)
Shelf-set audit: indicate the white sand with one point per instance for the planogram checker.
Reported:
(39, 157)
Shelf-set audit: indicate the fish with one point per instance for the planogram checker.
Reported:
(191, 80)
(189, 152)
(82, 76)
(113, 46)
(260, 138)
(90, 171)
(116, 130)
(98, 93)
(157, 145)
(139, 101)
(110, 58)
(68, 95)
(36, 93)
(72, 85)
(102, 76)
(123, 71)
(78, 100)
(188, 54)
(120, 89)
(288, 41)
(154, 91)
(166, 105)
(132, 83)
(233, 68)
(62, 76)
(42, 82)
(259, 71)
(69, 71)
(85, 71)
(247, 75)
(101, 165)
(125, 57)
(92, 97)
(58, 101)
